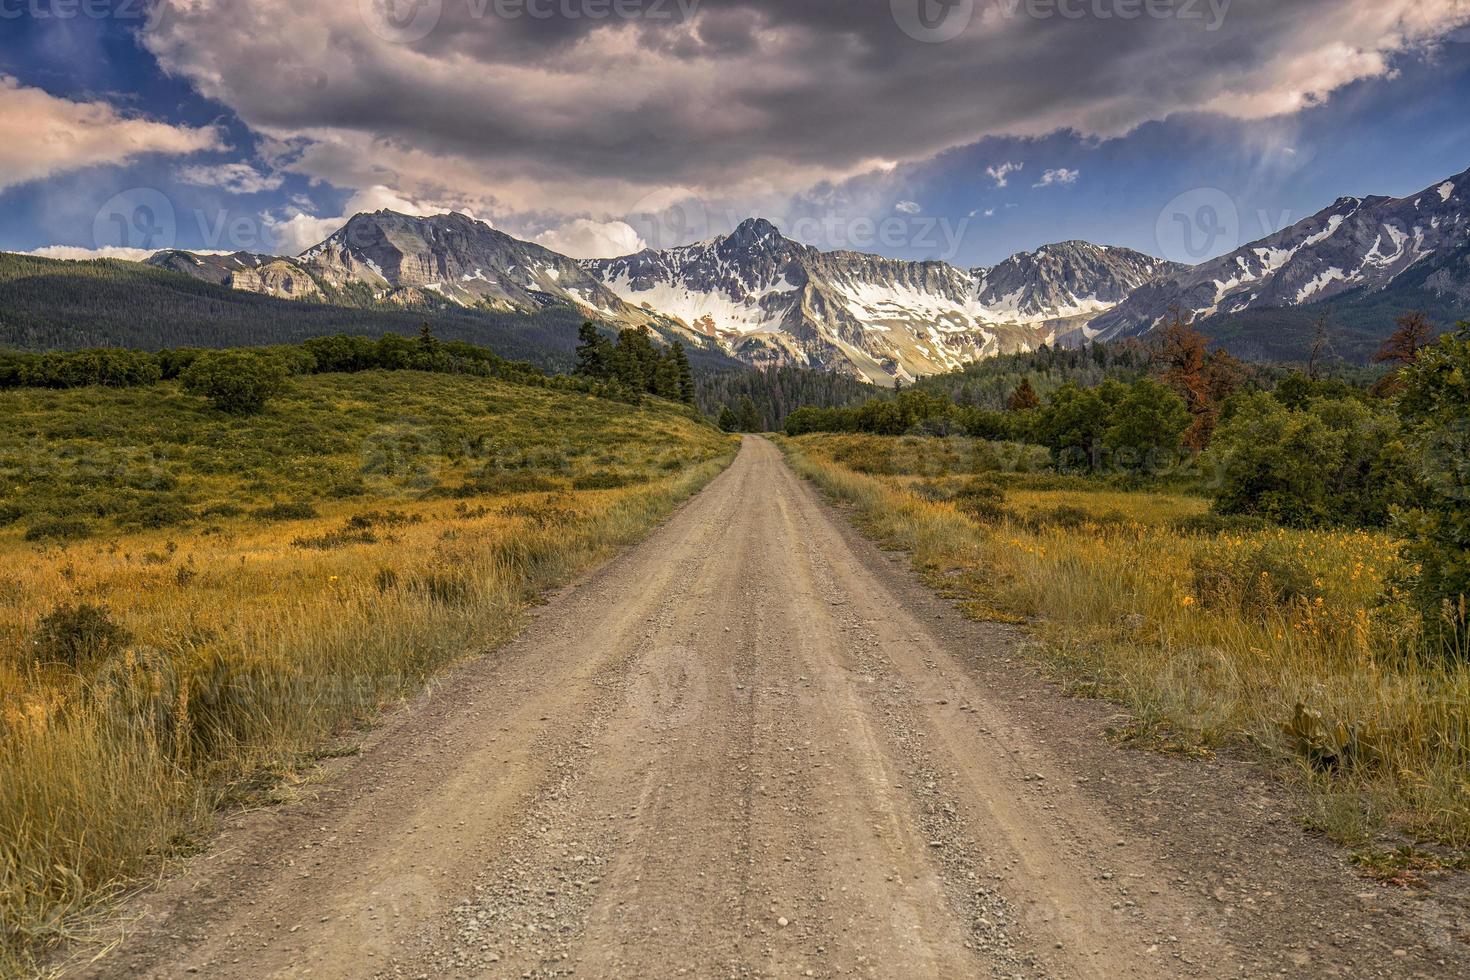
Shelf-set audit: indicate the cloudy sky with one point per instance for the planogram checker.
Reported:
(956, 129)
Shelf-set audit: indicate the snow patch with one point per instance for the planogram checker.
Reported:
(1320, 283)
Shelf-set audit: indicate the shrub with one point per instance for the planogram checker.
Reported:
(603, 480)
(1334, 462)
(76, 636)
(297, 510)
(1435, 407)
(1267, 577)
(502, 483)
(1147, 428)
(236, 381)
(982, 502)
(50, 527)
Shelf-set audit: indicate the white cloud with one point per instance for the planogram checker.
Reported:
(42, 135)
(987, 213)
(1001, 172)
(1059, 176)
(74, 253)
(237, 178)
(586, 239)
(908, 207)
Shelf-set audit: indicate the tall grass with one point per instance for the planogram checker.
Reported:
(1292, 642)
(238, 646)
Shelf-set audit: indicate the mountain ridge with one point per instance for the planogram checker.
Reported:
(1356, 245)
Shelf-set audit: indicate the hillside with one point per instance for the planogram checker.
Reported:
(46, 304)
(154, 457)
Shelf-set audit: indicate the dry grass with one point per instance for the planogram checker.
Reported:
(242, 645)
(1288, 641)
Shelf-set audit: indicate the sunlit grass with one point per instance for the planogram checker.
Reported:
(1314, 662)
(249, 642)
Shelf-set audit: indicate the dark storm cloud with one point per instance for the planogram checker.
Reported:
(586, 110)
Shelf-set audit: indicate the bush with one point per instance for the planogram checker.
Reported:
(1332, 463)
(49, 527)
(1435, 408)
(1268, 577)
(296, 510)
(76, 636)
(1146, 430)
(604, 480)
(236, 381)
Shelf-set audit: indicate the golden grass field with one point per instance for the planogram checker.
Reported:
(1188, 631)
(240, 640)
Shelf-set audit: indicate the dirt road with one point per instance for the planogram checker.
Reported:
(754, 747)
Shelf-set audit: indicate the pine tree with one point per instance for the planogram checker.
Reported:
(594, 353)
(750, 418)
(428, 343)
(729, 421)
(1024, 398)
(686, 373)
(1321, 345)
(666, 378)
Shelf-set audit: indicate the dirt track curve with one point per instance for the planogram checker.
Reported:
(753, 746)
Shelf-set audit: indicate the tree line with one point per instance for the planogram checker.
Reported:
(761, 400)
(635, 363)
(242, 380)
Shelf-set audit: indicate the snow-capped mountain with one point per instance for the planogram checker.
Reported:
(769, 299)
(1357, 246)
(457, 259)
(399, 259)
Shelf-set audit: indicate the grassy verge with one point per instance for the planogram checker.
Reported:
(1287, 641)
(314, 564)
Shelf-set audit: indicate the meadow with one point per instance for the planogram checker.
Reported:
(192, 604)
(1209, 632)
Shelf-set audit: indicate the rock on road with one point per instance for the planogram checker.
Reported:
(754, 746)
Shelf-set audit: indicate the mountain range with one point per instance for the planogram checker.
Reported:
(757, 297)
(1345, 256)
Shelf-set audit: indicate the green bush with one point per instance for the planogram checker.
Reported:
(1266, 578)
(59, 527)
(296, 510)
(604, 480)
(1332, 463)
(1435, 408)
(75, 636)
(1146, 429)
(236, 381)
